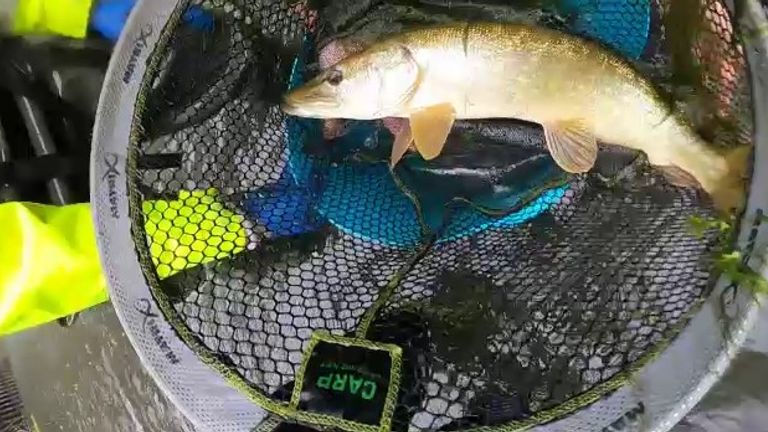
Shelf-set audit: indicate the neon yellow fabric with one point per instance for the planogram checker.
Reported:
(49, 266)
(49, 263)
(61, 17)
(192, 230)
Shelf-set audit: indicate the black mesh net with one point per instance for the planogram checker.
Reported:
(513, 290)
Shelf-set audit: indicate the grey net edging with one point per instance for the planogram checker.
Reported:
(204, 396)
(200, 393)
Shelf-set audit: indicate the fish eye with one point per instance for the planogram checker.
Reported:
(334, 77)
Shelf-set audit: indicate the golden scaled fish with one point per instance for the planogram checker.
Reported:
(579, 92)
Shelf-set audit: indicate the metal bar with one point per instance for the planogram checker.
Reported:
(43, 144)
(7, 192)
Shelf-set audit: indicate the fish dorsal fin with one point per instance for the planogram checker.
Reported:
(572, 144)
(430, 127)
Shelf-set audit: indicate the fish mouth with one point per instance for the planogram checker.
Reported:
(314, 106)
(288, 106)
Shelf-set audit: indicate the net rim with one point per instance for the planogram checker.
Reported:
(130, 291)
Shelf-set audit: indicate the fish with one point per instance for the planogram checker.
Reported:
(579, 91)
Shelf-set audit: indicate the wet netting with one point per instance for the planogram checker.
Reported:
(483, 288)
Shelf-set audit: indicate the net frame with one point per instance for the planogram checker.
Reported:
(213, 404)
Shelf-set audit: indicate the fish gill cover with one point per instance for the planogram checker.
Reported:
(516, 294)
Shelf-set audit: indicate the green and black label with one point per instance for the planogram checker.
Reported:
(349, 379)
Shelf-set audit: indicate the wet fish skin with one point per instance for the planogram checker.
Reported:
(577, 90)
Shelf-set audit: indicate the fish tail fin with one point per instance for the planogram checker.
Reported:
(730, 192)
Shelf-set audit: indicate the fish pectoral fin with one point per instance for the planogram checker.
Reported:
(572, 144)
(403, 140)
(677, 176)
(430, 127)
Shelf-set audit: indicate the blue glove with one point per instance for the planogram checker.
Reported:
(109, 16)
